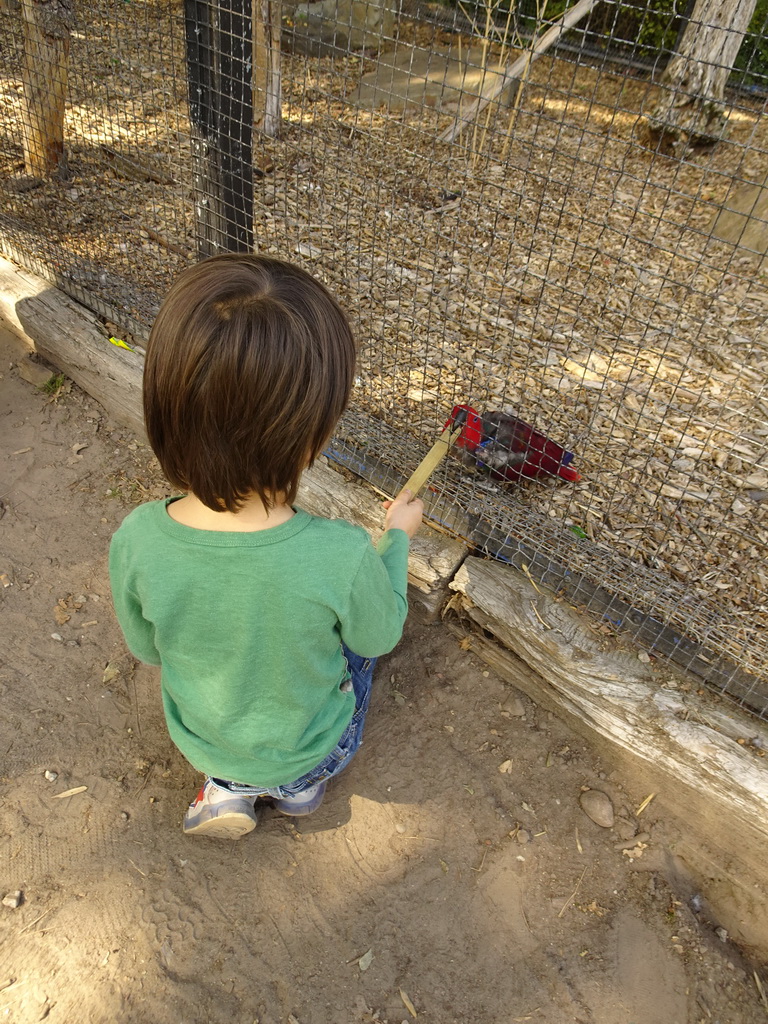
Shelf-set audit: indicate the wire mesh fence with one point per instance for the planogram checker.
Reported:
(520, 212)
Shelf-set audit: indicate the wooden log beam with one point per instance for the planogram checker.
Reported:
(71, 339)
(267, 82)
(47, 25)
(518, 69)
(694, 657)
(670, 739)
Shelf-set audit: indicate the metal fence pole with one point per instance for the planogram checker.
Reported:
(219, 68)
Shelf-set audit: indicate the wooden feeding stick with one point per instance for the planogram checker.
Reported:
(433, 458)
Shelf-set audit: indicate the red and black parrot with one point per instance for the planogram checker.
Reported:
(508, 448)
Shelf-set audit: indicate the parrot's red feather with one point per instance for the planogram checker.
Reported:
(541, 455)
(472, 434)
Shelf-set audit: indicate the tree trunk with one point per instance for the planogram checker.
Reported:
(694, 81)
(47, 24)
(267, 89)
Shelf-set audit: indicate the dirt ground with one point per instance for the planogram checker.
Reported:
(430, 885)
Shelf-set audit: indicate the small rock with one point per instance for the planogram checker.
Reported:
(515, 707)
(523, 836)
(644, 656)
(50, 776)
(112, 671)
(13, 899)
(58, 637)
(598, 807)
(34, 373)
(124, 815)
(721, 933)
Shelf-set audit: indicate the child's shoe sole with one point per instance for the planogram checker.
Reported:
(231, 825)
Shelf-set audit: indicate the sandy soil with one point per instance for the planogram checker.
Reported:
(430, 882)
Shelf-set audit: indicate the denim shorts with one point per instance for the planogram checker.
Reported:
(361, 679)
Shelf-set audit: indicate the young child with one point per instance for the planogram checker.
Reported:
(265, 620)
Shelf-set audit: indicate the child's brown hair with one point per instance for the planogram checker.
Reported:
(249, 366)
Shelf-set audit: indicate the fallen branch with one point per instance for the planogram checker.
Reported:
(155, 236)
(519, 68)
(573, 895)
(124, 167)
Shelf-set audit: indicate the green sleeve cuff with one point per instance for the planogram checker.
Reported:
(392, 540)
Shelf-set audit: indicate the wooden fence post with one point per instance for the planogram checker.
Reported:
(267, 86)
(219, 67)
(47, 24)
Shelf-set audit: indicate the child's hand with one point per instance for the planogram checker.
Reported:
(404, 513)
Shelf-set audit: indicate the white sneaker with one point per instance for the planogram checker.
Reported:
(217, 813)
(302, 803)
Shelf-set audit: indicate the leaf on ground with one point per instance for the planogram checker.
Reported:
(408, 1004)
(110, 672)
(70, 792)
(365, 960)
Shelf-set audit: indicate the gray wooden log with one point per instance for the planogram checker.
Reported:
(658, 736)
(518, 69)
(659, 638)
(71, 339)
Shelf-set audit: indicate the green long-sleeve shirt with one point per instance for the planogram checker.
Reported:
(247, 629)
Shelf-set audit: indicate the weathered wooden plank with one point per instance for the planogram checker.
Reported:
(70, 338)
(716, 786)
(716, 670)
